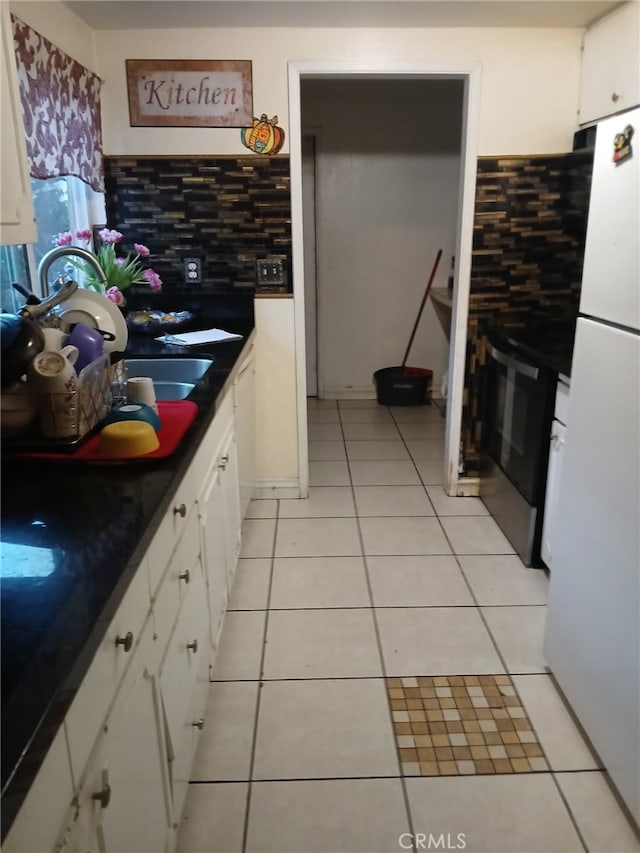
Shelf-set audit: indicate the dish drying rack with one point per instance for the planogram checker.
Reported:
(77, 412)
(100, 387)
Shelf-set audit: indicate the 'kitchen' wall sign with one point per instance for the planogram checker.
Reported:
(189, 92)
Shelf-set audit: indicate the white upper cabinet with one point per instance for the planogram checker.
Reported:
(17, 223)
(611, 64)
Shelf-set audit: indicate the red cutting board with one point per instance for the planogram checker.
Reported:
(176, 416)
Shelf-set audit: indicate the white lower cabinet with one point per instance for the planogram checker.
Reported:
(110, 663)
(123, 805)
(244, 403)
(212, 536)
(124, 754)
(219, 518)
(43, 815)
(232, 520)
(184, 684)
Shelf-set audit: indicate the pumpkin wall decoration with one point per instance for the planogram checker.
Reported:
(264, 136)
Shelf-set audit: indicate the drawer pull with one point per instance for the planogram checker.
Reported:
(126, 642)
(180, 510)
(198, 724)
(223, 461)
(185, 576)
(103, 796)
(193, 646)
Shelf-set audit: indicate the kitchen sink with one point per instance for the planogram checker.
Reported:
(173, 378)
(172, 390)
(169, 369)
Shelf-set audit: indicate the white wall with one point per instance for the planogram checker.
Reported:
(528, 104)
(276, 399)
(529, 96)
(530, 78)
(387, 197)
(64, 29)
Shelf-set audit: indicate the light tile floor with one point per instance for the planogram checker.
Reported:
(352, 600)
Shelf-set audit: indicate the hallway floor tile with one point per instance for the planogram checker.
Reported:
(380, 683)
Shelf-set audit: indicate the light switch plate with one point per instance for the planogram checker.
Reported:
(270, 273)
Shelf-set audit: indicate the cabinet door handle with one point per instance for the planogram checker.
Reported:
(193, 646)
(198, 724)
(126, 642)
(615, 97)
(180, 510)
(185, 576)
(223, 461)
(104, 795)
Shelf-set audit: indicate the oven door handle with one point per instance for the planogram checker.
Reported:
(513, 363)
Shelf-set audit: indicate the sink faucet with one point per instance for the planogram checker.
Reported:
(60, 252)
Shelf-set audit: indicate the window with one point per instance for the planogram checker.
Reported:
(60, 204)
(14, 266)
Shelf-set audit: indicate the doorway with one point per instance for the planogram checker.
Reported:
(468, 80)
(384, 203)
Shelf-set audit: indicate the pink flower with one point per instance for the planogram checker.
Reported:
(155, 282)
(65, 238)
(141, 250)
(115, 295)
(84, 234)
(119, 261)
(109, 236)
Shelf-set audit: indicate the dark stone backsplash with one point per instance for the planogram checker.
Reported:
(228, 210)
(528, 242)
(526, 267)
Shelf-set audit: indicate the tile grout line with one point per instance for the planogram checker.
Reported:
(372, 608)
(555, 782)
(474, 599)
(404, 441)
(403, 784)
(506, 668)
(245, 829)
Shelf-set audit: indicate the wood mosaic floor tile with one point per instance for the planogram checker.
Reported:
(459, 725)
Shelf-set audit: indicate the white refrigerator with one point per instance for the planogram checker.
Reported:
(592, 639)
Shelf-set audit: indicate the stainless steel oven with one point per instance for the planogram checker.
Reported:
(518, 416)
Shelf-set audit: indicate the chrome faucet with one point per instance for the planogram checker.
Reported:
(60, 252)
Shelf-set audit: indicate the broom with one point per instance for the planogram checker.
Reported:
(419, 371)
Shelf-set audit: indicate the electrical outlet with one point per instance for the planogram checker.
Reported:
(193, 270)
(270, 273)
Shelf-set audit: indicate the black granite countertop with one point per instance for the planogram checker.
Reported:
(72, 537)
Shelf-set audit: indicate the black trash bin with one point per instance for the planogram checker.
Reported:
(403, 386)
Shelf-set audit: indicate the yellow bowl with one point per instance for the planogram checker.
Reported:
(126, 439)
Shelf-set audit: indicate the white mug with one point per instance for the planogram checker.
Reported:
(53, 378)
(140, 390)
(54, 339)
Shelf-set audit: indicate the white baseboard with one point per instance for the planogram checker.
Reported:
(271, 489)
(362, 394)
(349, 394)
(468, 487)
